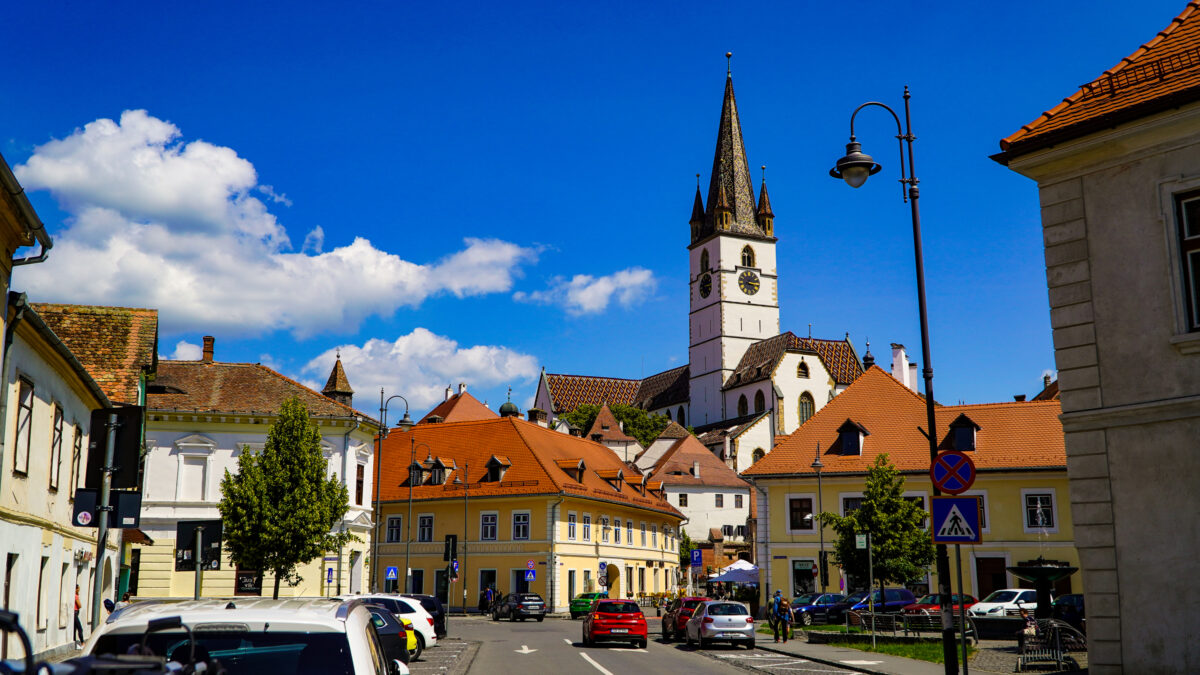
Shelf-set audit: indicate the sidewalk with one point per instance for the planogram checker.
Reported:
(851, 659)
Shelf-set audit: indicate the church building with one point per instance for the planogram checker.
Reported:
(745, 382)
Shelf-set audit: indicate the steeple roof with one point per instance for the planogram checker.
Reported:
(338, 383)
(729, 184)
(764, 202)
(697, 207)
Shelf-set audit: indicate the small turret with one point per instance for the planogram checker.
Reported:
(766, 219)
(338, 385)
(697, 220)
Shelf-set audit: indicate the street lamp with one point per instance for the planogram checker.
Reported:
(464, 479)
(817, 466)
(414, 475)
(406, 423)
(855, 168)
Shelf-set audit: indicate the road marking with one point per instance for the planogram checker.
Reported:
(524, 650)
(598, 667)
(568, 641)
(861, 663)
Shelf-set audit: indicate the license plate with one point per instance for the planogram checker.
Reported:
(731, 635)
(620, 630)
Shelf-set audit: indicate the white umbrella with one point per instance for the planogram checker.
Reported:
(737, 576)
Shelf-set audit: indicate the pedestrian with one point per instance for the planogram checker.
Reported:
(489, 596)
(124, 601)
(78, 624)
(773, 612)
(784, 620)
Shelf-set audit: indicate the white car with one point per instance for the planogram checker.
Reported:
(1006, 602)
(720, 621)
(405, 608)
(251, 636)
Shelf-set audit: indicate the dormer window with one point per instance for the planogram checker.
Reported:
(850, 436)
(573, 468)
(416, 473)
(802, 370)
(496, 467)
(962, 433)
(614, 477)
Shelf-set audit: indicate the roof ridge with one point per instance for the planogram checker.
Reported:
(595, 377)
(285, 378)
(553, 480)
(100, 307)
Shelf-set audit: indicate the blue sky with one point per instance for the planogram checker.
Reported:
(468, 192)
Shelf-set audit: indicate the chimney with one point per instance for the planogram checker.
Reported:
(696, 469)
(208, 349)
(462, 387)
(1045, 381)
(912, 376)
(449, 393)
(1019, 397)
(900, 364)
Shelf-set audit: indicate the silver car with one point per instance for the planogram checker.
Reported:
(720, 621)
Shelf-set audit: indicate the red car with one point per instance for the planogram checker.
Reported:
(677, 615)
(615, 620)
(929, 604)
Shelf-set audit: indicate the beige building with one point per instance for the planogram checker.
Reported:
(1118, 169)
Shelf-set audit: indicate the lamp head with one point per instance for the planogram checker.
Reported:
(406, 422)
(817, 464)
(856, 166)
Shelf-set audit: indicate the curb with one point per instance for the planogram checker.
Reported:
(823, 661)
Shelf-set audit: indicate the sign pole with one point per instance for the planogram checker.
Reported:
(871, 588)
(102, 518)
(962, 606)
(196, 559)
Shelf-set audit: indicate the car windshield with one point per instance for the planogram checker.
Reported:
(430, 604)
(727, 609)
(1001, 596)
(857, 597)
(618, 608)
(246, 652)
(806, 599)
(931, 599)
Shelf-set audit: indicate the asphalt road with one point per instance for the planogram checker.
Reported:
(554, 646)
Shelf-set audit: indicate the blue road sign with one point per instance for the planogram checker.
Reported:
(454, 564)
(530, 575)
(696, 560)
(603, 565)
(392, 574)
(955, 520)
(329, 575)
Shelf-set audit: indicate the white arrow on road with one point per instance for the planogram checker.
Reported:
(524, 650)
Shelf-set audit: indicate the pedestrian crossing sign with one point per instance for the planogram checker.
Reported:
(530, 575)
(956, 520)
(392, 574)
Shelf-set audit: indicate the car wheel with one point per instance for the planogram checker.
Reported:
(687, 637)
(540, 618)
(641, 644)
(750, 643)
(806, 618)
(495, 615)
(574, 616)
(704, 644)
(415, 655)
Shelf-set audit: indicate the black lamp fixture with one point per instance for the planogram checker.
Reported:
(856, 166)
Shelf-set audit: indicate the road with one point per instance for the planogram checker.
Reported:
(554, 646)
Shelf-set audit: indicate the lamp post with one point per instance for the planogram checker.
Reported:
(464, 479)
(817, 466)
(406, 423)
(414, 475)
(855, 168)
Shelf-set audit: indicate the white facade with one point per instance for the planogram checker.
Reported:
(45, 556)
(704, 514)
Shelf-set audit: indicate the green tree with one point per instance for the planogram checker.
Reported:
(639, 424)
(901, 547)
(279, 510)
(685, 549)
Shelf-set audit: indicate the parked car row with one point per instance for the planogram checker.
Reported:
(695, 619)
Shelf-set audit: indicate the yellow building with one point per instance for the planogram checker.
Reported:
(1021, 475)
(531, 501)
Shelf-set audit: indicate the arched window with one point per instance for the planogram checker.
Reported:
(806, 407)
(759, 454)
(747, 257)
(760, 402)
(679, 416)
(742, 406)
(802, 370)
(704, 260)
(668, 414)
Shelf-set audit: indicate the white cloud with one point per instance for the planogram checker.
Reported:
(185, 351)
(156, 222)
(422, 363)
(585, 294)
(278, 198)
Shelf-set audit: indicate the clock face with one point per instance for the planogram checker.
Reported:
(748, 282)
(705, 285)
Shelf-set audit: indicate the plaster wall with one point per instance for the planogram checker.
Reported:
(703, 513)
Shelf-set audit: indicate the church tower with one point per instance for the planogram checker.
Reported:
(734, 296)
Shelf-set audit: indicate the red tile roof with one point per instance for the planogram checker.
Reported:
(660, 390)
(608, 428)
(1048, 393)
(1163, 73)
(245, 388)
(461, 408)
(675, 467)
(535, 455)
(568, 392)
(114, 344)
(761, 359)
(1025, 435)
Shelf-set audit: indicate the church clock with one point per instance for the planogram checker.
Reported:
(748, 282)
(705, 285)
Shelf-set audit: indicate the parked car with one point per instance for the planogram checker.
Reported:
(931, 604)
(1069, 608)
(394, 637)
(813, 607)
(837, 611)
(405, 608)
(615, 620)
(436, 609)
(520, 606)
(678, 612)
(1005, 602)
(892, 600)
(252, 636)
(582, 603)
(721, 621)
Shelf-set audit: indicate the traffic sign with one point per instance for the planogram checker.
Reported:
(860, 541)
(696, 561)
(329, 575)
(603, 565)
(952, 472)
(530, 565)
(955, 520)
(815, 572)
(603, 581)
(530, 575)
(454, 564)
(392, 574)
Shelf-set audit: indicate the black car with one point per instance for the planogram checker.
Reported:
(434, 606)
(520, 606)
(392, 635)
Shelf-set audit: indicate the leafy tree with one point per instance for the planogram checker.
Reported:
(901, 547)
(639, 424)
(279, 509)
(685, 549)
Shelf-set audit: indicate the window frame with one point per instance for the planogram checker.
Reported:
(1187, 276)
(586, 529)
(484, 525)
(654, 536)
(805, 397)
(425, 533)
(616, 531)
(683, 499)
(787, 509)
(56, 438)
(572, 525)
(719, 500)
(388, 529)
(360, 483)
(629, 532)
(528, 524)
(739, 501)
(643, 523)
(605, 524)
(23, 435)
(748, 258)
(76, 455)
(843, 496)
(1026, 493)
(985, 524)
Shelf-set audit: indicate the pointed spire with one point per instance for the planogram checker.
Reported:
(764, 202)
(731, 171)
(697, 209)
(337, 387)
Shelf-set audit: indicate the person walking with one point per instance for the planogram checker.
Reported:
(773, 612)
(783, 621)
(78, 635)
(124, 601)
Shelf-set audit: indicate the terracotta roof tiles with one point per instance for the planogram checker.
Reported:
(568, 392)
(608, 428)
(675, 467)
(460, 408)
(114, 344)
(667, 388)
(762, 358)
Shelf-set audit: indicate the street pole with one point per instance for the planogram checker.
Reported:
(466, 506)
(817, 465)
(871, 588)
(102, 518)
(962, 606)
(855, 167)
(199, 544)
(405, 425)
(408, 537)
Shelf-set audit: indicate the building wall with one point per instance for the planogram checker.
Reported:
(703, 513)
(1129, 376)
(182, 448)
(819, 384)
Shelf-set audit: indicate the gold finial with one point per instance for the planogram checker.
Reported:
(764, 172)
